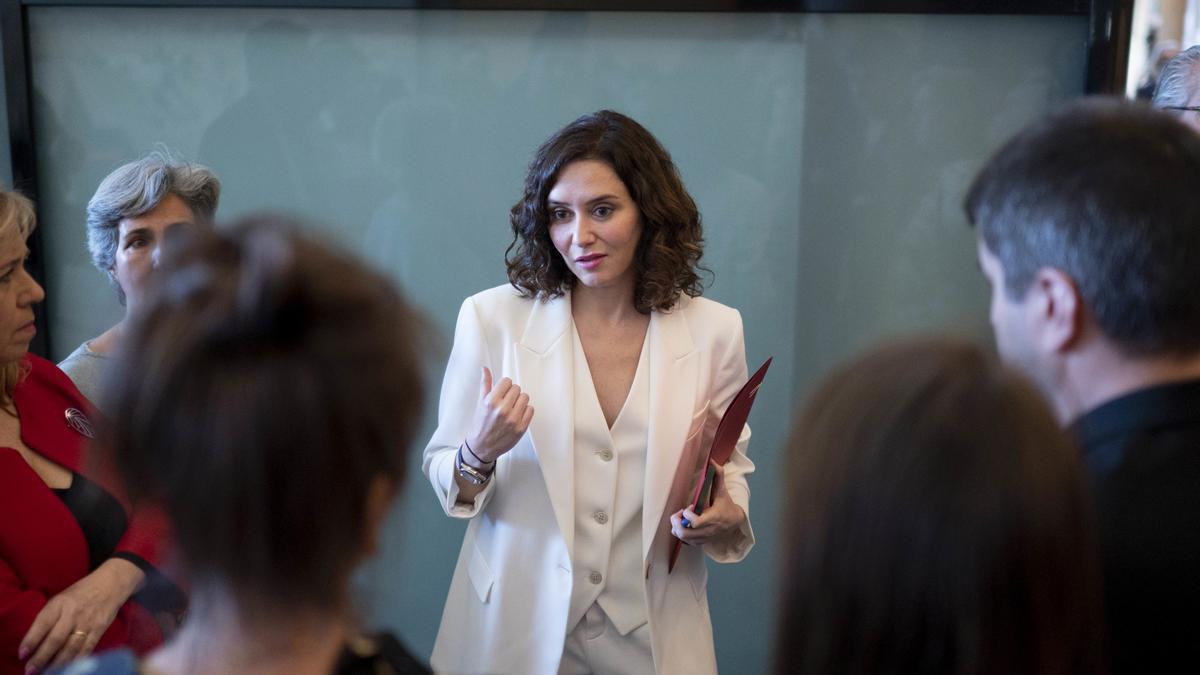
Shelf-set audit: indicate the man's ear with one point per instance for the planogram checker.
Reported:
(1058, 310)
(379, 502)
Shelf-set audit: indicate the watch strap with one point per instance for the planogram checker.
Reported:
(469, 473)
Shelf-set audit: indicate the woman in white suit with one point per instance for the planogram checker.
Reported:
(572, 509)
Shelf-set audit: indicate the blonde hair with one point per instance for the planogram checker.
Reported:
(17, 219)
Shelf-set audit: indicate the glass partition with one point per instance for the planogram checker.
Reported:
(828, 154)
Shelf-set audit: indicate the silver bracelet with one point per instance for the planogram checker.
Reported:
(469, 473)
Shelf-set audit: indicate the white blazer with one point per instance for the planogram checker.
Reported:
(506, 611)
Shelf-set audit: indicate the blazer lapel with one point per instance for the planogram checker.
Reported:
(674, 369)
(544, 365)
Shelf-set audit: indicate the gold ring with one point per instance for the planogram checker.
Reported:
(79, 632)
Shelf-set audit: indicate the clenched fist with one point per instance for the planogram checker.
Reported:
(501, 418)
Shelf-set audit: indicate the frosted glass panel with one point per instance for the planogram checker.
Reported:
(6, 176)
(828, 154)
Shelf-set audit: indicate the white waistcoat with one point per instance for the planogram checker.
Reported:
(610, 471)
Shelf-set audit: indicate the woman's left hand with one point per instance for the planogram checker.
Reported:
(718, 520)
(72, 622)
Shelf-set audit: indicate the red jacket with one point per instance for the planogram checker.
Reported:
(42, 549)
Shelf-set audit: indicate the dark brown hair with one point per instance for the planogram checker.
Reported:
(937, 522)
(671, 244)
(1104, 190)
(266, 386)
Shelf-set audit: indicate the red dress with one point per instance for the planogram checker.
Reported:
(42, 548)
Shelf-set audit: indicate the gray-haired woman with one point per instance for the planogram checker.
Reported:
(127, 218)
(1179, 86)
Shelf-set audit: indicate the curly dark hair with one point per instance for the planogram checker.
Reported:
(668, 254)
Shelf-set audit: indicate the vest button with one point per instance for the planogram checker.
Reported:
(606, 454)
(601, 517)
(595, 578)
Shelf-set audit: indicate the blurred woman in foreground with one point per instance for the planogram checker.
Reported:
(284, 378)
(937, 523)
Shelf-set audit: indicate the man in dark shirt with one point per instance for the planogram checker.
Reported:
(1089, 233)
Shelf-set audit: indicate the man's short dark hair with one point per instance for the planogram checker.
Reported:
(1108, 192)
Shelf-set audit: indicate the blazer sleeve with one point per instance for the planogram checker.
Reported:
(19, 606)
(729, 376)
(147, 543)
(148, 535)
(456, 409)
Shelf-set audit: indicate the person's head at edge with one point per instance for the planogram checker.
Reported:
(937, 522)
(18, 291)
(604, 149)
(1088, 232)
(134, 205)
(285, 378)
(1178, 87)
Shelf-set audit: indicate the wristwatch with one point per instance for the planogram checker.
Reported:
(469, 473)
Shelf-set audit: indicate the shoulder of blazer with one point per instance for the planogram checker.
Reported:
(709, 321)
(43, 399)
(503, 310)
(49, 378)
(703, 307)
(502, 298)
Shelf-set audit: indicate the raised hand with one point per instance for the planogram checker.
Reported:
(501, 418)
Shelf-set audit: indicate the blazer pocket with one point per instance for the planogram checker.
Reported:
(697, 424)
(480, 575)
(698, 575)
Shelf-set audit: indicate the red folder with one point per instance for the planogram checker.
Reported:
(722, 448)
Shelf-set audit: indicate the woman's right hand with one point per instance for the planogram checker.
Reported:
(71, 624)
(501, 418)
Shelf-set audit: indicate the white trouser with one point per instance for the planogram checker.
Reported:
(595, 647)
